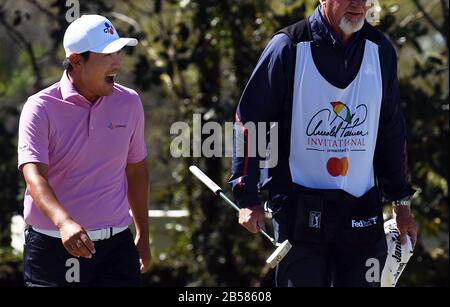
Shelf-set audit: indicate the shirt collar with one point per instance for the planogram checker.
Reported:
(69, 92)
(67, 88)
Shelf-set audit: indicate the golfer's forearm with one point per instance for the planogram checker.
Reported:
(45, 199)
(139, 209)
(138, 187)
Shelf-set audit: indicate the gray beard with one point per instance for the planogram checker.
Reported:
(349, 27)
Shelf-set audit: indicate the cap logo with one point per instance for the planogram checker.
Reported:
(109, 29)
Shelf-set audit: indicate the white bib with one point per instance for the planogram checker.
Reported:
(333, 130)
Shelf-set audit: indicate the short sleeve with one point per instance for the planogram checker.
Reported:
(138, 148)
(34, 129)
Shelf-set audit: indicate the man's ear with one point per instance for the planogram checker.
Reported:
(74, 59)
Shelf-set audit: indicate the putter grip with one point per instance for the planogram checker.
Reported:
(205, 179)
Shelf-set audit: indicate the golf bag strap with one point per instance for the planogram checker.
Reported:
(282, 181)
(298, 32)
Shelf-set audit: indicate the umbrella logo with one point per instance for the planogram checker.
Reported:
(342, 111)
(337, 167)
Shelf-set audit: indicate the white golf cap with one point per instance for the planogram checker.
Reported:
(94, 33)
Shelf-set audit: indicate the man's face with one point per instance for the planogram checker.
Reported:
(348, 15)
(97, 74)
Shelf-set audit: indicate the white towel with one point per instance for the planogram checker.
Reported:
(397, 257)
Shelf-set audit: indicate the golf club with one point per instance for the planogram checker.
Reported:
(282, 248)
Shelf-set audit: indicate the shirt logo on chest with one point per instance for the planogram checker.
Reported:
(113, 126)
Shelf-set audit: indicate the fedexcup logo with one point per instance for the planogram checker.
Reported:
(364, 223)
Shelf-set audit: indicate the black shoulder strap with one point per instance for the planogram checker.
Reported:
(298, 32)
(281, 175)
(371, 33)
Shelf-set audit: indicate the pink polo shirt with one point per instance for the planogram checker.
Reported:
(86, 148)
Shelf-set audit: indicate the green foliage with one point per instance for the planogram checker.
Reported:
(9, 181)
(11, 268)
(424, 93)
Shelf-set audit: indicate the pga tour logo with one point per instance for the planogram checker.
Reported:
(314, 219)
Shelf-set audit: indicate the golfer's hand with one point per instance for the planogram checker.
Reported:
(76, 240)
(252, 218)
(143, 248)
(405, 224)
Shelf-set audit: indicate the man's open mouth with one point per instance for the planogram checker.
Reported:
(110, 78)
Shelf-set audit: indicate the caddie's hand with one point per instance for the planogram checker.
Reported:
(252, 218)
(405, 224)
(76, 240)
(143, 248)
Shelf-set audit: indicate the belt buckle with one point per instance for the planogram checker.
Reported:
(106, 233)
(98, 234)
(103, 233)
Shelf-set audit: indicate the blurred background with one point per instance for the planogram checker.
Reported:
(195, 56)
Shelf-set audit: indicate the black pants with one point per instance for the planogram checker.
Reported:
(48, 264)
(320, 265)
(339, 262)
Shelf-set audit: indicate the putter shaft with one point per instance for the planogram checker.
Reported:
(232, 204)
(282, 248)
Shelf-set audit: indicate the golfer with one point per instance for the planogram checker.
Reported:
(330, 82)
(81, 150)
